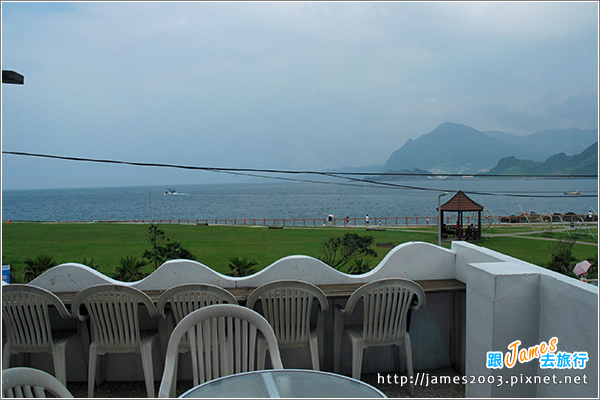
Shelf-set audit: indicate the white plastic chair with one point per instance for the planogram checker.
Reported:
(114, 319)
(223, 340)
(177, 302)
(288, 306)
(23, 382)
(386, 304)
(174, 304)
(26, 317)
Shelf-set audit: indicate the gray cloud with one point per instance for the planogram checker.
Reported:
(280, 85)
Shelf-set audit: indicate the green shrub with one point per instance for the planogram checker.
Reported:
(159, 253)
(129, 269)
(36, 266)
(360, 266)
(339, 251)
(562, 259)
(241, 266)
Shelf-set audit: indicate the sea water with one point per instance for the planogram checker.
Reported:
(269, 200)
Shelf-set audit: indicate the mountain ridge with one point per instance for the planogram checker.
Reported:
(458, 148)
(584, 163)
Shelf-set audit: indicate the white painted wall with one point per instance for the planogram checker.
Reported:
(509, 299)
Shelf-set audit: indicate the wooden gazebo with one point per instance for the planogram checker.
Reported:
(461, 203)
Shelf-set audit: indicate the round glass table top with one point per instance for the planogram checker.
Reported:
(290, 383)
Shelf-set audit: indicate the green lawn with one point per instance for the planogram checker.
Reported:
(214, 246)
(534, 251)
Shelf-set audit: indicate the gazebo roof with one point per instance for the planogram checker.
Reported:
(460, 202)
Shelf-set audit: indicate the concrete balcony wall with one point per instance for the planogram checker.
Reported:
(506, 300)
(432, 328)
(569, 311)
(509, 299)
(412, 260)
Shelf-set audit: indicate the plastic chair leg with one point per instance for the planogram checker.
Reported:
(337, 340)
(173, 391)
(409, 363)
(398, 359)
(314, 351)
(6, 356)
(357, 357)
(59, 353)
(60, 368)
(146, 350)
(92, 370)
(163, 335)
(84, 335)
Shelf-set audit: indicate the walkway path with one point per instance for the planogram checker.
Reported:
(525, 235)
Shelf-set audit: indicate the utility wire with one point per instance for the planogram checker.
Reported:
(254, 172)
(144, 164)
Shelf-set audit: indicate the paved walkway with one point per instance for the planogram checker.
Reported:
(525, 235)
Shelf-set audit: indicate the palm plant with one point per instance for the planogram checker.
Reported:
(339, 251)
(36, 266)
(90, 263)
(360, 266)
(562, 259)
(241, 266)
(129, 269)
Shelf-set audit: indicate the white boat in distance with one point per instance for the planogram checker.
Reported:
(573, 193)
(171, 192)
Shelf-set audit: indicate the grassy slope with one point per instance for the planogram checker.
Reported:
(215, 245)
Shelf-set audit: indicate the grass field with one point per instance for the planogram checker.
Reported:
(214, 246)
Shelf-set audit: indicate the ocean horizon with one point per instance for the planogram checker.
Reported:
(267, 200)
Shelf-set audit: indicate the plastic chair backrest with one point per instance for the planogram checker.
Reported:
(287, 305)
(26, 316)
(386, 303)
(114, 314)
(184, 299)
(189, 297)
(223, 338)
(23, 382)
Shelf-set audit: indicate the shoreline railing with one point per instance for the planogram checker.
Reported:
(374, 222)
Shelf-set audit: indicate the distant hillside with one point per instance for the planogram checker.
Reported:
(544, 143)
(583, 163)
(457, 148)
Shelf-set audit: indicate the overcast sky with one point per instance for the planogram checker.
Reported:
(278, 85)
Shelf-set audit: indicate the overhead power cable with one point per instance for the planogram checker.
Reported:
(145, 164)
(255, 172)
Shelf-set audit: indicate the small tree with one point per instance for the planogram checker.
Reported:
(37, 266)
(129, 269)
(338, 251)
(159, 252)
(241, 266)
(562, 259)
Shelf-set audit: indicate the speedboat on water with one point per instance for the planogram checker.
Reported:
(573, 193)
(171, 192)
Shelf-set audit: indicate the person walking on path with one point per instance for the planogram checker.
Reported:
(367, 220)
